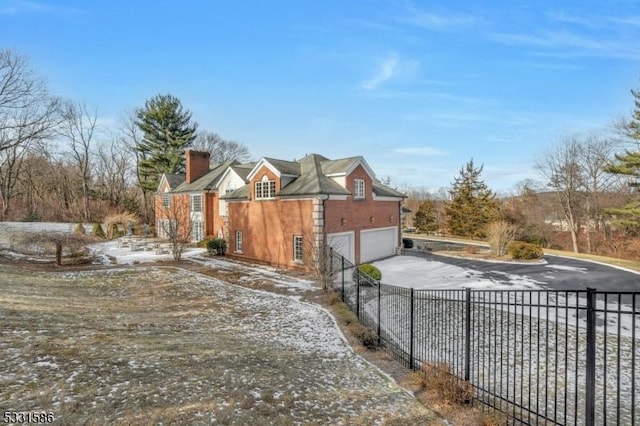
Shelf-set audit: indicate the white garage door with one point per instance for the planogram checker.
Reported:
(377, 243)
(342, 243)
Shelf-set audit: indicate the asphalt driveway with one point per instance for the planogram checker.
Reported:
(556, 273)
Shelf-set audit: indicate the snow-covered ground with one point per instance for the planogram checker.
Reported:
(420, 273)
(515, 336)
(123, 255)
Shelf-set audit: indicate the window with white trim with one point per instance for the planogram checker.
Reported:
(196, 231)
(265, 189)
(298, 252)
(196, 203)
(166, 200)
(239, 241)
(359, 188)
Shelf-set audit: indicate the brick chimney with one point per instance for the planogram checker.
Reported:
(197, 164)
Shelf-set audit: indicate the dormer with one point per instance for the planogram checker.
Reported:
(269, 176)
(353, 174)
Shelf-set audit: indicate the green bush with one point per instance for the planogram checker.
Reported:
(202, 243)
(371, 271)
(216, 246)
(97, 230)
(525, 251)
(79, 229)
(407, 243)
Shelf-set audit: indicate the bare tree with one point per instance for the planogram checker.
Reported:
(221, 150)
(561, 166)
(10, 165)
(79, 129)
(27, 112)
(173, 224)
(131, 137)
(596, 155)
(113, 164)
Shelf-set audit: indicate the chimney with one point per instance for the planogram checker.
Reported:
(197, 164)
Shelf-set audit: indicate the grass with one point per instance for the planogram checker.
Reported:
(140, 346)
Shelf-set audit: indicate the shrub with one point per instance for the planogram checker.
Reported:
(371, 271)
(97, 230)
(202, 243)
(471, 249)
(438, 378)
(112, 230)
(525, 251)
(79, 229)
(407, 243)
(367, 336)
(216, 246)
(500, 234)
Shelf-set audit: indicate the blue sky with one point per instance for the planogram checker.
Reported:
(417, 88)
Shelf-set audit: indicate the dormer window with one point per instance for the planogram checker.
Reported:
(265, 189)
(359, 189)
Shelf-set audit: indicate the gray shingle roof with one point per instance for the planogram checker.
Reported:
(312, 181)
(207, 182)
(342, 165)
(174, 180)
(382, 190)
(241, 193)
(285, 167)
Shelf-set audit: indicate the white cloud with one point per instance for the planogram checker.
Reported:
(569, 44)
(423, 151)
(438, 22)
(387, 68)
(15, 7)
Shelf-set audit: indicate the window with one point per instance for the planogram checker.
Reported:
(265, 188)
(359, 188)
(239, 241)
(166, 200)
(298, 248)
(196, 203)
(196, 231)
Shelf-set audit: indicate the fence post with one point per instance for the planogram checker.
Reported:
(379, 316)
(590, 374)
(412, 325)
(467, 334)
(357, 292)
(342, 259)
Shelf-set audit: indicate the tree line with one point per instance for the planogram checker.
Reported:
(586, 201)
(59, 162)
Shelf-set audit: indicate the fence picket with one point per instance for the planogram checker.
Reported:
(523, 351)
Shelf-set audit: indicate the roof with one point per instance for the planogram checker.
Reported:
(311, 176)
(174, 180)
(241, 193)
(207, 182)
(312, 181)
(382, 190)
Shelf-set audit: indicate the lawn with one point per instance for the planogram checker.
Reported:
(163, 345)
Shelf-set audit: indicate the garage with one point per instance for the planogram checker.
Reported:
(378, 243)
(343, 244)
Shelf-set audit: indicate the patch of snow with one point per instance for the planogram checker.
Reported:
(568, 268)
(420, 273)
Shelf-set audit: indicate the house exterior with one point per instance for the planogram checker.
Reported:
(284, 212)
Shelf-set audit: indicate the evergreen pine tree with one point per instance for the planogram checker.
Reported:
(425, 220)
(167, 132)
(473, 205)
(628, 164)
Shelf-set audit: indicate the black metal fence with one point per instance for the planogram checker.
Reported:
(561, 357)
